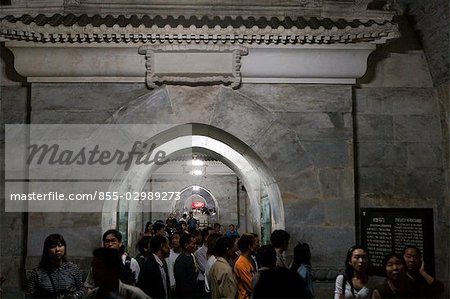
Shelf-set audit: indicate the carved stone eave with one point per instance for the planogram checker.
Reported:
(325, 8)
(330, 64)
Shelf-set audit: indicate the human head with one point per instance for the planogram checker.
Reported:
(211, 243)
(54, 248)
(302, 254)
(280, 239)
(395, 267)
(266, 256)
(231, 227)
(106, 267)
(205, 233)
(148, 227)
(175, 240)
(143, 244)
(159, 228)
(223, 247)
(197, 234)
(257, 242)
(216, 227)
(187, 243)
(413, 258)
(357, 260)
(112, 238)
(246, 243)
(159, 246)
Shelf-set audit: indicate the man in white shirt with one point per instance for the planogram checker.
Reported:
(175, 251)
(202, 259)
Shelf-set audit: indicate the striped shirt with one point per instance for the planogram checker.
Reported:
(66, 280)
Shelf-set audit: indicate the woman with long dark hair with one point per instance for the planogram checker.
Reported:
(302, 266)
(354, 283)
(55, 277)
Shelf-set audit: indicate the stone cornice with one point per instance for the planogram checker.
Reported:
(183, 30)
(352, 9)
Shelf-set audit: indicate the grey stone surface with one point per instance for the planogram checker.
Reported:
(379, 154)
(375, 180)
(300, 97)
(427, 155)
(318, 126)
(336, 183)
(417, 128)
(421, 183)
(329, 153)
(278, 147)
(70, 117)
(396, 101)
(84, 97)
(193, 104)
(304, 212)
(301, 185)
(374, 127)
(240, 116)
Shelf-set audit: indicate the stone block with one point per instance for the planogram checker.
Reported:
(374, 127)
(336, 183)
(193, 104)
(12, 242)
(80, 97)
(340, 211)
(377, 154)
(12, 268)
(281, 151)
(300, 97)
(70, 117)
(426, 184)
(14, 105)
(427, 155)
(318, 126)
(396, 101)
(241, 116)
(417, 128)
(375, 180)
(372, 101)
(304, 211)
(329, 153)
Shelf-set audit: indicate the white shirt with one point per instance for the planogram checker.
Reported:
(170, 262)
(201, 259)
(211, 260)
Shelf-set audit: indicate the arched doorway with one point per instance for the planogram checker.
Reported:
(265, 210)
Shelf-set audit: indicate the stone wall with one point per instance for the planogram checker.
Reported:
(401, 155)
(303, 133)
(13, 226)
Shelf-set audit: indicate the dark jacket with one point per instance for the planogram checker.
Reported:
(185, 277)
(150, 280)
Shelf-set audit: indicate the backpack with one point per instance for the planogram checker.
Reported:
(127, 275)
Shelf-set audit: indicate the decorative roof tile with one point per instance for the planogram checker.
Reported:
(96, 28)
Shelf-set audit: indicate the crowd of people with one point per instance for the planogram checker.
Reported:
(178, 260)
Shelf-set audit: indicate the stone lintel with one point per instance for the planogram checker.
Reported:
(202, 65)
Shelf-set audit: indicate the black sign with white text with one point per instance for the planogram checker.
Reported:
(389, 230)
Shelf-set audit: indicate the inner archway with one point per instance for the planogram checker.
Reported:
(266, 210)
